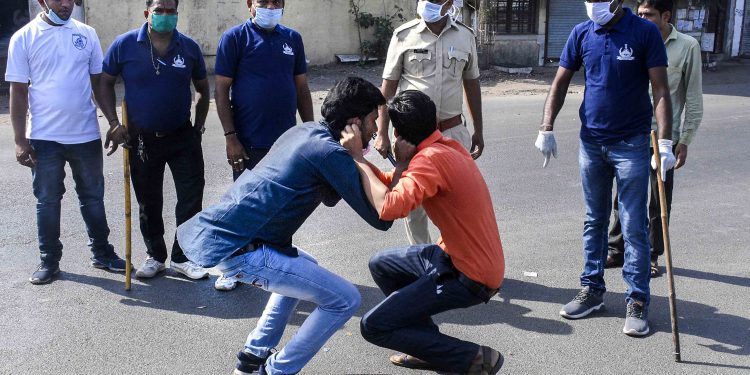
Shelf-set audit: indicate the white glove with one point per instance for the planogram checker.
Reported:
(668, 160)
(545, 142)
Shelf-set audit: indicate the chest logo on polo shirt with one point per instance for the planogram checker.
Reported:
(288, 50)
(626, 54)
(79, 41)
(178, 61)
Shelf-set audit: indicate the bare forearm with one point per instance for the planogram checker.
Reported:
(374, 189)
(19, 106)
(553, 105)
(224, 110)
(388, 89)
(474, 102)
(400, 168)
(663, 105)
(107, 100)
(304, 103)
(201, 109)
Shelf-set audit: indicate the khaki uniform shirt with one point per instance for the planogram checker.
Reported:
(433, 64)
(685, 85)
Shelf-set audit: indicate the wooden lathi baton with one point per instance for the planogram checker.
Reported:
(126, 183)
(667, 249)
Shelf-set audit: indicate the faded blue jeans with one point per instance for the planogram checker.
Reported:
(628, 162)
(291, 279)
(86, 163)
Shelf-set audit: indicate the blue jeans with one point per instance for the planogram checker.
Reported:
(626, 161)
(86, 163)
(419, 281)
(291, 279)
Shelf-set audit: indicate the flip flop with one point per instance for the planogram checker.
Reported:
(405, 360)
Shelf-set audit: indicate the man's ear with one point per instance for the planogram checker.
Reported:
(354, 121)
(666, 16)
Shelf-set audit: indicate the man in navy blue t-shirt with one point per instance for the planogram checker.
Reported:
(261, 83)
(157, 64)
(621, 54)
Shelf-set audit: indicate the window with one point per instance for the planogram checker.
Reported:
(512, 16)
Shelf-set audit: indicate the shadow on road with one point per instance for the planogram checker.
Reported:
(727, 333)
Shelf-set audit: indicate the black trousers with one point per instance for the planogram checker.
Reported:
(254, 155)
(181, 151)
(616, 242)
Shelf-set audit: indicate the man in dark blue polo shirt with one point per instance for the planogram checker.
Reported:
(157, 64)
(262, 64)
(621, 54)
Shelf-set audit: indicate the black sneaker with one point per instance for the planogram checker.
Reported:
(44, 274)
(587, 301)
(248, 363)
(113, 263)
(636, 323)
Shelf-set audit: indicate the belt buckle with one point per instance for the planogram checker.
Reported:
(160, 134)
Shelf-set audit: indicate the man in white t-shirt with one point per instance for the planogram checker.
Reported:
(52, 63)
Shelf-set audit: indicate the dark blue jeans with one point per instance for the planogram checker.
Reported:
(86, 163)
(627, 162)
(419, 281)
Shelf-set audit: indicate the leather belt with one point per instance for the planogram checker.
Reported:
(450, 123)
(163, 133)
(479, 290)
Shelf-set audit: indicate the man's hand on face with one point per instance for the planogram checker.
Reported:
(383, 144)
(680, 152)
(117, 135)
(351, 139)
(25, 154)
(404, 151)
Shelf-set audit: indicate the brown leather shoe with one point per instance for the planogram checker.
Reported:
(655, 271)
(405, 360)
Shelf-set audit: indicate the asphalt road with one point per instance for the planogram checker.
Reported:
(86, 322)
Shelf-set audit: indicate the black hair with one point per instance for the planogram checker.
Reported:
(149, 3)
(660, 5)
(413, 115)
(349, 98)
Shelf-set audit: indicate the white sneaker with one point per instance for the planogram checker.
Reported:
(189, 269)
(225, 284)
(150, 268)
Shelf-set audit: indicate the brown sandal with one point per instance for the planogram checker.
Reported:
(492, 361)
(405, 360)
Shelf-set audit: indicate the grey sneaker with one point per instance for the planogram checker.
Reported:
(636, 323)
(150, 268)
(587, 301)
(225, 284)
(189, 269)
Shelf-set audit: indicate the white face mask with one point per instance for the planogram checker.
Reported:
(429, 12)
(268, 18)
(599, 12)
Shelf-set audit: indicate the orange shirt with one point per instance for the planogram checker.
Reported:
(444, 179)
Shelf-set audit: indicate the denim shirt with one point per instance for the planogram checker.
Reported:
(266, 205)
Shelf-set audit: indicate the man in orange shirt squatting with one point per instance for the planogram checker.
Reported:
(464, 269)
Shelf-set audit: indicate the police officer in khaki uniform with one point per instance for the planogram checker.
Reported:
(436, 55)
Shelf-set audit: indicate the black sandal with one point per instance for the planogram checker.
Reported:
(487, 367)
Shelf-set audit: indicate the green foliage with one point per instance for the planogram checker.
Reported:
(382, 30)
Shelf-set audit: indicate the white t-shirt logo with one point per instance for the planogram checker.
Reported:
(79, 41)
(288, 50)
(178, 62)
(626, 54)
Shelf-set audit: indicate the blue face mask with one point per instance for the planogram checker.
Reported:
(54, 17)
(430, 12)
(268, 18)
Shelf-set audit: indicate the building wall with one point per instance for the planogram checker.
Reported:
(524, 49)
(326, 26)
